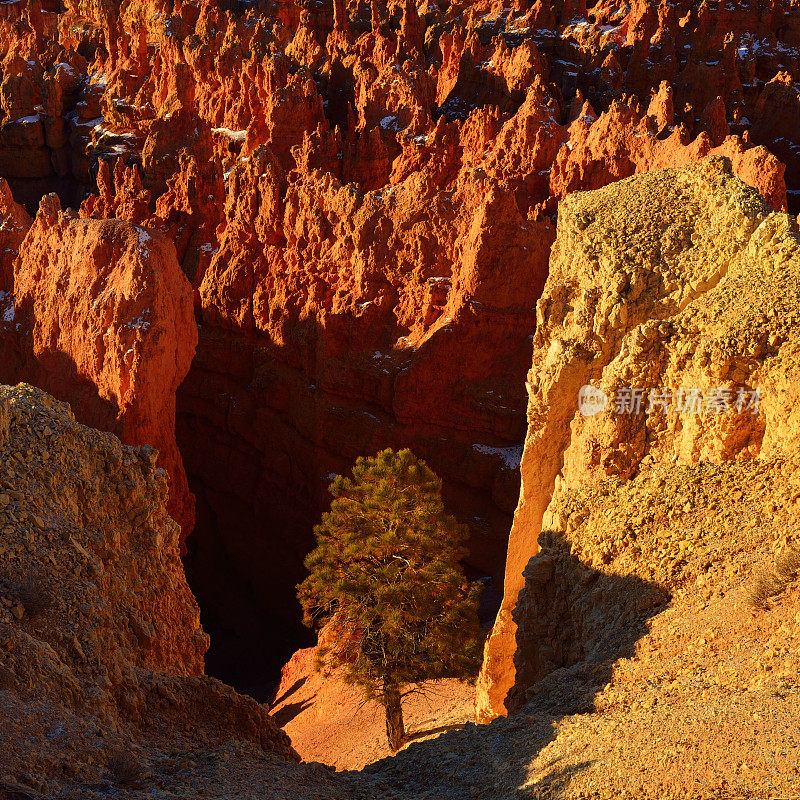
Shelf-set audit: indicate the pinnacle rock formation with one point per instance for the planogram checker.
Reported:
(101, 315)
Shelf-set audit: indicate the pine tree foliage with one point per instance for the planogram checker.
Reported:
(386, 570)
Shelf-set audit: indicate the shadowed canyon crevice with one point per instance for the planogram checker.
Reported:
(261, 439)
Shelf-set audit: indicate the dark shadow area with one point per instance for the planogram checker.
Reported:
(340, 95)
(569, 614)
(238, 6)
(491, 599)
(261, 439)
(421, 734)
(793, 199)
(290, 691)
(247, 601)
(283, 716)
(574, 623)
(28, 192)
(55, 373)
(478, 90)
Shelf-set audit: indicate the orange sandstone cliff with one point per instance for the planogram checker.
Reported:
(101, 316)
(682, 282)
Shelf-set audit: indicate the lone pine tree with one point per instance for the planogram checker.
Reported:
(386, 571)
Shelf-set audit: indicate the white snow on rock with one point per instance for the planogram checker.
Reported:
(236, 136)
(512, 456)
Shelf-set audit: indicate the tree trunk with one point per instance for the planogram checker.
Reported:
(395, 729)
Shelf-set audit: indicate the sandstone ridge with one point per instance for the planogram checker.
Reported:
(674, 279)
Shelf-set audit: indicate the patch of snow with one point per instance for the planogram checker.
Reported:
(141, 322)
(88, 123)
(511, 456)
(10, 312)
(389, 123)
(68, 68)
(145, 240)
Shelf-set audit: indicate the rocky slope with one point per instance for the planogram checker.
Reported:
(665, 680)
(362, 198)
(101, 649)
(683, 285)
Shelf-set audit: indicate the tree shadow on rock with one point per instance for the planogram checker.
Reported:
(573, 623)
(423, 733)
(284, 715)
(299, 683)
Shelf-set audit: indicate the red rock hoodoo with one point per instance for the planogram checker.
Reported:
(363, 198)
(101, 316)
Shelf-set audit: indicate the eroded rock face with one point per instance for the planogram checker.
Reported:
(678, 279)
(363, 199)
(15, 224)
(101, 316)
(100, 640)
(625, 141)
